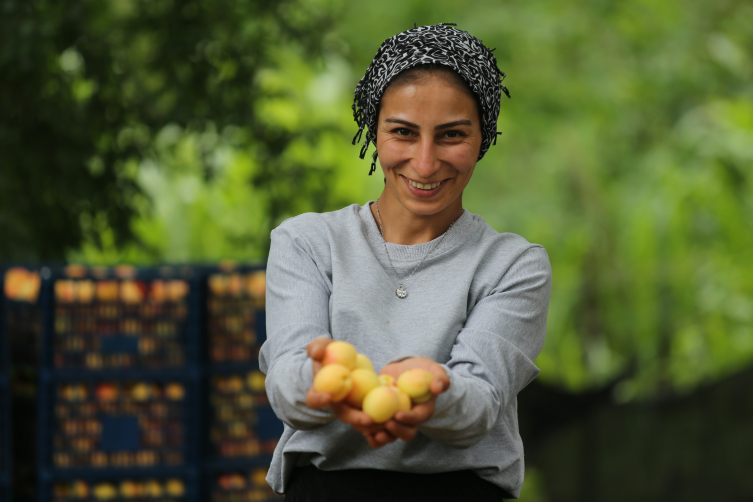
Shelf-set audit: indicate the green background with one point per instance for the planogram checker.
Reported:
(183, 131)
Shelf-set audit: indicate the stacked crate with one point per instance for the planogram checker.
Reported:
(5, 430)
(118, 390)
(242, 428)
(19, 349)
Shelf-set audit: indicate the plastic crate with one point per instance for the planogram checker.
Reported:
(241, 485)
(235, 315)
(113, 323)
(118, 407)
(131, 489)
(121, 423)
(5, 416)
(241, 422)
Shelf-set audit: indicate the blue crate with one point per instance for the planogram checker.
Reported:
(242, 431)
(118, 409)
(242, 484)
(100, 320)
(115, 421)
(136, 488)
(235, 321)
(5, 415)
(241, 425)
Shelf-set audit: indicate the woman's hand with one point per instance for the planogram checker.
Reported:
(357, 419)
(404, 425)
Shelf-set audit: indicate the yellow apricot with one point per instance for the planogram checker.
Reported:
(364, 362)
(334, 379)
(340, 352)
(381, 403)
(416, 383)
(405, 403)
(363, 381)
(387, 380)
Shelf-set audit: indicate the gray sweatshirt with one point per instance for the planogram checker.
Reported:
(477, 305)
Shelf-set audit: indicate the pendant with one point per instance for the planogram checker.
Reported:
(401, 292)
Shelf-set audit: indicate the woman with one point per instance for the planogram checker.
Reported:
(412, 280)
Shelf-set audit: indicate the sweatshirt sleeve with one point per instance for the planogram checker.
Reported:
(493, 356)
(297, 312)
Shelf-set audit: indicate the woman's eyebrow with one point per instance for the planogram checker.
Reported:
(453, 124)
(440, 126)
(404, 122)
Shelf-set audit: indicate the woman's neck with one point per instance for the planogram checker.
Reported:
(401, 226)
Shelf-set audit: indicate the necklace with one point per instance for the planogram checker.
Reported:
(401, 291)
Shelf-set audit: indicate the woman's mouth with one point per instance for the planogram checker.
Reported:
(424, 186)
(424, 189)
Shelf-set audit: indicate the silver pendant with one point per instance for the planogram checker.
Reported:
(401, 292)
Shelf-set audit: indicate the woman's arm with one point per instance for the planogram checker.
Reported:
(493, 356)
(297, 312)
(491, 361)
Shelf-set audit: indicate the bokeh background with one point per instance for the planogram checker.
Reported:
(183, 131)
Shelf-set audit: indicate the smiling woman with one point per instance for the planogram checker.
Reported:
(413, 280)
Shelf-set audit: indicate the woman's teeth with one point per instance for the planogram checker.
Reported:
(424, 186)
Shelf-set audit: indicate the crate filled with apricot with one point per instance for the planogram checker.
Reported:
(22, 316)
(118, 324)
(243, 486)
(234, 304)
(121, 490)
(5, 431)
(119, 424)
(238, 409)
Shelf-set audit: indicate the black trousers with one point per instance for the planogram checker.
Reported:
(309, 484)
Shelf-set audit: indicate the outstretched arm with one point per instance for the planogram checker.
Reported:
(491, 360)
(493, 356)
(297, 313)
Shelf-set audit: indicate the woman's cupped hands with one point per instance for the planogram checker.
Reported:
(404, 424)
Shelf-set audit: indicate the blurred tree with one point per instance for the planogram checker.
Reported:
(627, 151)
(86, 85)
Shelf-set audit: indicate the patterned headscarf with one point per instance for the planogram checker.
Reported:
(439, 44)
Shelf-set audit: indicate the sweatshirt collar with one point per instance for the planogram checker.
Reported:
(401, 252)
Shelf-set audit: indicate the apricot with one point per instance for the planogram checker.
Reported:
(363, 382)
(416, 383)
(340, 352)
(334, 379)
(387, 380)
(381, 403)
(405, 403)
(364, 362)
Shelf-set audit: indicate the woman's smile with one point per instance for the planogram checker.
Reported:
(426, 190)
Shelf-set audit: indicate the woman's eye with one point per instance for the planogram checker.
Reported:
(403, 131)
(453, 134)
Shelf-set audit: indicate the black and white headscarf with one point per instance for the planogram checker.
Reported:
(439, 44)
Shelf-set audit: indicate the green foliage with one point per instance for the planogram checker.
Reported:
(86, 85)
(626, 151)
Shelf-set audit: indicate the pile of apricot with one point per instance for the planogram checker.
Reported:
(349, 376)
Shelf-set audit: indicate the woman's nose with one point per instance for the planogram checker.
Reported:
(426, 161)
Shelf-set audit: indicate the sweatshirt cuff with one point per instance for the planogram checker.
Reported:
(306, 378)
(452, 395)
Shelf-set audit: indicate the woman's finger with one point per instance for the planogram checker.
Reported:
(401, 431)
(372, 442)
(315, 348)
(384, 437)
(440, 383)
(350, 415)
(417, 415)
(316, 400)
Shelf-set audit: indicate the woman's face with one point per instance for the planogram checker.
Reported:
(428, 139)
